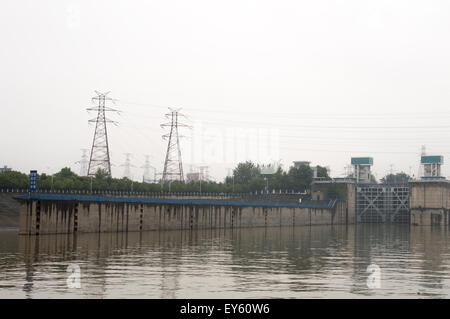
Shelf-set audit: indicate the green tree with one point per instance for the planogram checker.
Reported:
(245, 172)
(399, 178)
(300, 178)
(323, 172)
(14, 179)
(256, 184)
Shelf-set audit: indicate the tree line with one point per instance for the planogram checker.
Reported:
(246, 177)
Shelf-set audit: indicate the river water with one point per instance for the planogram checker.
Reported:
(279, 262)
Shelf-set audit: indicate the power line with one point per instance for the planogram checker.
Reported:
(222, 109)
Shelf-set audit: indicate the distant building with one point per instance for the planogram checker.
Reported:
(297, 164)
(361, 167)
(192, 177)
(5, 169)
(431, 165)
(269, 169)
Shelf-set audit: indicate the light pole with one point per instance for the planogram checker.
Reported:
(170, 183)
(91, 184)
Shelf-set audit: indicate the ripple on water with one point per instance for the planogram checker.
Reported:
(321, 261)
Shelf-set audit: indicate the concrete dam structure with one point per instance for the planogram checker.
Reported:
(424, 202)
(430, 203)
(66, 214)
(420, 203)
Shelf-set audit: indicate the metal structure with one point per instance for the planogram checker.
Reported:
(361, 166)
(204, 173)
(83, 162)
(146, 176)
(127, 166)
(379, 203)
(173, 165)
(100, 158)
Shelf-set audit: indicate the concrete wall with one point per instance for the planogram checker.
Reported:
(351, 202)
(63, 217)
(9, 211)
(348, 190)
(430, 203)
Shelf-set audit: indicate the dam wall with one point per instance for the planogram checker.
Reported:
(345, 189)
(430, 203)
(9, 211)
(53, 214)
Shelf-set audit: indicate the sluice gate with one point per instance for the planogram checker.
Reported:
(379, 203)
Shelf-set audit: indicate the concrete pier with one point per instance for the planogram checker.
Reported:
(430, 202)
(65, 214)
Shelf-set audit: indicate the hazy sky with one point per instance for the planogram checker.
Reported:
(320, 80)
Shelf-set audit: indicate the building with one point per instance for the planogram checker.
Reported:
(5, 169)
(297, 164)
(361, 168)
(431, 165)
(192, 177)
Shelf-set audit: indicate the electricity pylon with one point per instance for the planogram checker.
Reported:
(83, 162)
(127, 165)
(100, 148)
(173, 165)
(146, 176)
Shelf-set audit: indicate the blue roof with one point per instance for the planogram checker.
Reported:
(142, 200)
(432, 159)
(362, 161)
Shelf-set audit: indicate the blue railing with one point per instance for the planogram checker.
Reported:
(151, 194)
(33, 196)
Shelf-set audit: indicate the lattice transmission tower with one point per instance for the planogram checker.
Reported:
(127, 166)
(173, 165)
(100, 158)
(146, 178)
(83, 162)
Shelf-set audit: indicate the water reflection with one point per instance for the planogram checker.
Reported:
(313, 262)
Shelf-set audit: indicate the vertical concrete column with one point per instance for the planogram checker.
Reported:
(141, 216)
(351, 203)
(265, 216)
(279, 215)
(293, 216)
(233, 212)
(38, 216)
(128, 213)
(75, 218)
(99, 217)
